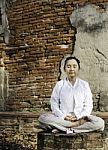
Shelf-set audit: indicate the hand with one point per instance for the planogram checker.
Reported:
(83, 120)
(71, 118)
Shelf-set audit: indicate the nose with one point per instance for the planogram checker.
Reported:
(71, 68)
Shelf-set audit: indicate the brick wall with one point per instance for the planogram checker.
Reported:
(38, 29)
(40, 36)
(18, 131)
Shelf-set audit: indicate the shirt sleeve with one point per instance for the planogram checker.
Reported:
(55, 100)
(88, 103)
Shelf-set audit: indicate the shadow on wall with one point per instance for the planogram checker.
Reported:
(4, 145)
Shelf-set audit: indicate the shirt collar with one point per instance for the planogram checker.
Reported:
(75, 84)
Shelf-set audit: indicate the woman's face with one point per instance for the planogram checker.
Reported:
(72, 68)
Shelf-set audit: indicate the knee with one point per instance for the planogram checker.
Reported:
(45, 118)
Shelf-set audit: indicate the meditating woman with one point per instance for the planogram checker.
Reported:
(71, 104)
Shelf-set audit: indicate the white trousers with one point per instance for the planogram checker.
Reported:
(49, 119)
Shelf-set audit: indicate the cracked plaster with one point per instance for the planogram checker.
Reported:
(91, 47)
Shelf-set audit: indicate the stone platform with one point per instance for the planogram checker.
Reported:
(85, 141)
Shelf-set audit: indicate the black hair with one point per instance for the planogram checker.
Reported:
(69, 58)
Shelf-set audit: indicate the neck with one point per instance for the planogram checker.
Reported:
(72, 80)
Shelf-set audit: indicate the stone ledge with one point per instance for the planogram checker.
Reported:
(103, 115)
(19, 114)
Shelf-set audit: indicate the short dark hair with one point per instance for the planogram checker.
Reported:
(70, 58)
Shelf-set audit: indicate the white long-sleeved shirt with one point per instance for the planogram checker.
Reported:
(67, 99)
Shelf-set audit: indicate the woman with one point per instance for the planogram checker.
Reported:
(71, 104)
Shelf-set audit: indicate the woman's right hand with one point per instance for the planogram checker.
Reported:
(70, 118)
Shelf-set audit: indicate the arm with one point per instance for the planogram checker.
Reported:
(55, 99)
(88, 103)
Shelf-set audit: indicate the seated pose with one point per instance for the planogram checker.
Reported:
(71, 104)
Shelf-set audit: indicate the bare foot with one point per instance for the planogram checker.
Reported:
(55, 131)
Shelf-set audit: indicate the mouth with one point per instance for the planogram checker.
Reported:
(71, 72)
